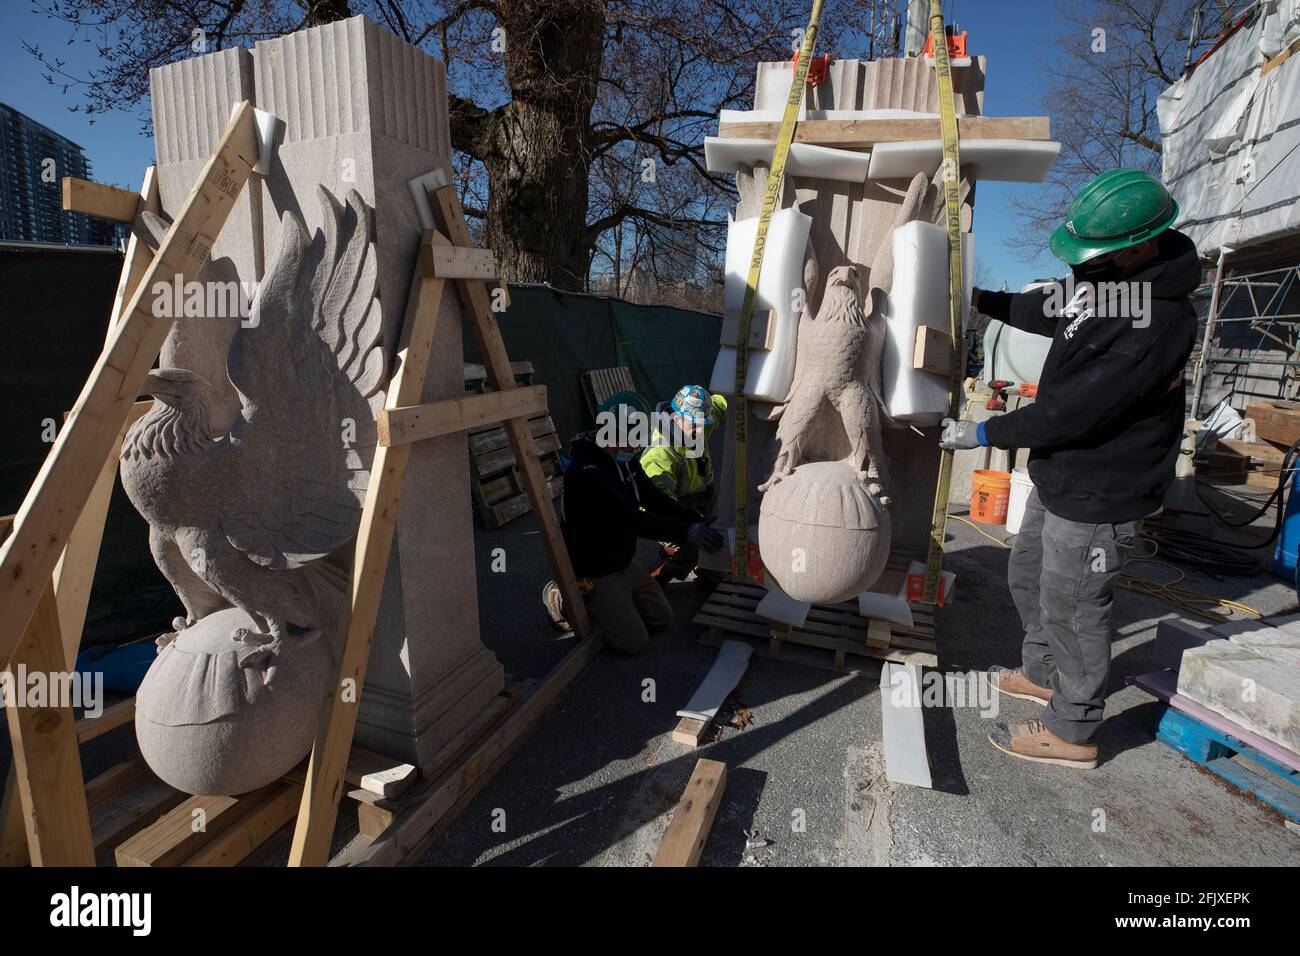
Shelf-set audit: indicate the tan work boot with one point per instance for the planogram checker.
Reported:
(1033, 741)
(1014, 683)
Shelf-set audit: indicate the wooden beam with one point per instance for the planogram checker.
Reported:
(459, 262)
(96, 199)
(251, 830)
(47, 760)
(762, 329)
(113, 717)
(398, 426)
(863, 134)
(933, 351)
(75, 573)
(496, 361)
(329, 757)
(68, 476)
(688, 830)
(430, 813)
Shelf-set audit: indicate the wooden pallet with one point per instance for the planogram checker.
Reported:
(600, 383)
(833, 636)
(495, 483)
(1213, 749)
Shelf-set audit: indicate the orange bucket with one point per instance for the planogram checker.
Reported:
(989, 493)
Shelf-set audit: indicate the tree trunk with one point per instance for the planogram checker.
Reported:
(535, 147)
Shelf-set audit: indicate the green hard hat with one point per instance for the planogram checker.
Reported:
(1118, 209)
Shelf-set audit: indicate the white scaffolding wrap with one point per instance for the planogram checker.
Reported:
(1231, 135)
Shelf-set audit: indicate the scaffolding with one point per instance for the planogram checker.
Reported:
(1249, 349)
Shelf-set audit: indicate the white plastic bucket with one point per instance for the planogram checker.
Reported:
(1021, 486)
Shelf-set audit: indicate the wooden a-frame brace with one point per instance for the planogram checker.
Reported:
(44, 816)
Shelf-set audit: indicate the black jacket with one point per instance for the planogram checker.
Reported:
(1104, 431)
(603, 510)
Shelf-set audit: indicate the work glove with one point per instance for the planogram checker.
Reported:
(959, 435)
(705, 536)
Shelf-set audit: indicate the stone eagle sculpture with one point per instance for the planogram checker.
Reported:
(838, 364)
(232, 514)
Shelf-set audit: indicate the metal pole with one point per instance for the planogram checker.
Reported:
(1202, 363)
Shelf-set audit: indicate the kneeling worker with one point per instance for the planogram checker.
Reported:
(608, 503)
(678, 463)
(1103, 436)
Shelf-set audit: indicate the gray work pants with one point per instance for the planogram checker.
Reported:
(1062, 578)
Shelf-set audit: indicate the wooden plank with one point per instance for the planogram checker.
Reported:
(138, 253)
(459, 262)
(690, 731)
(46, 758)
(903, 725)
(416, 422)
(428, 816)
(251, 830)
(137, 804)
(1276, 61)
(1275, 421)
(212, 830)
(68, 475)
(329, 757)
(113, 717)
(863, 134)
(115, 779)
(487, 335)
(96, 199)
(762, 330)
(382, 776)
(75, 572)
(933, 350)
(688, 830)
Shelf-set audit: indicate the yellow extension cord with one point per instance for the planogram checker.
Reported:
(1193, 602)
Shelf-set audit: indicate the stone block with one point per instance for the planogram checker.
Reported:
(1260, 694)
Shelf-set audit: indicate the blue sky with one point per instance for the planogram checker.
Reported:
(1009, 33)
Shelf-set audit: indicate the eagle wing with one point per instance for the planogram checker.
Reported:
(309, 368)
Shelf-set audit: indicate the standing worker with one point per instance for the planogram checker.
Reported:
(608, 503)
(679, 464)
(1103, 436)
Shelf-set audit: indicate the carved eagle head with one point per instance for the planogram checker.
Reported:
(842, 300)
(178, 423)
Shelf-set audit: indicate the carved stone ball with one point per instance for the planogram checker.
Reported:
(823, 538)
(208, 726)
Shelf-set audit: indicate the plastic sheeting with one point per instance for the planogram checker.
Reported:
(1232, 137)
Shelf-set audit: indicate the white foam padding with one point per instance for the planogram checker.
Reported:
(919, 297)
(270, 133)
(770, 371)
(872, 604)
(721, 680)
(420, 187)
(778, 606)
(1005, 160)
(805, 159)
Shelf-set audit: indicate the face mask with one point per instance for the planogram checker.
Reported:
(624, 457)
(1094, 271)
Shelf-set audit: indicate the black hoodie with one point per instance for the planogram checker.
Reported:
(1103, 432)
(608, 504)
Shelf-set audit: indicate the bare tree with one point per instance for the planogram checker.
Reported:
(1105, 72)
(578, 124)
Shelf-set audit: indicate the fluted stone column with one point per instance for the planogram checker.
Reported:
(362, 110)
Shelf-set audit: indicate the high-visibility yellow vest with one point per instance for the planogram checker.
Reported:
(676, 471)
